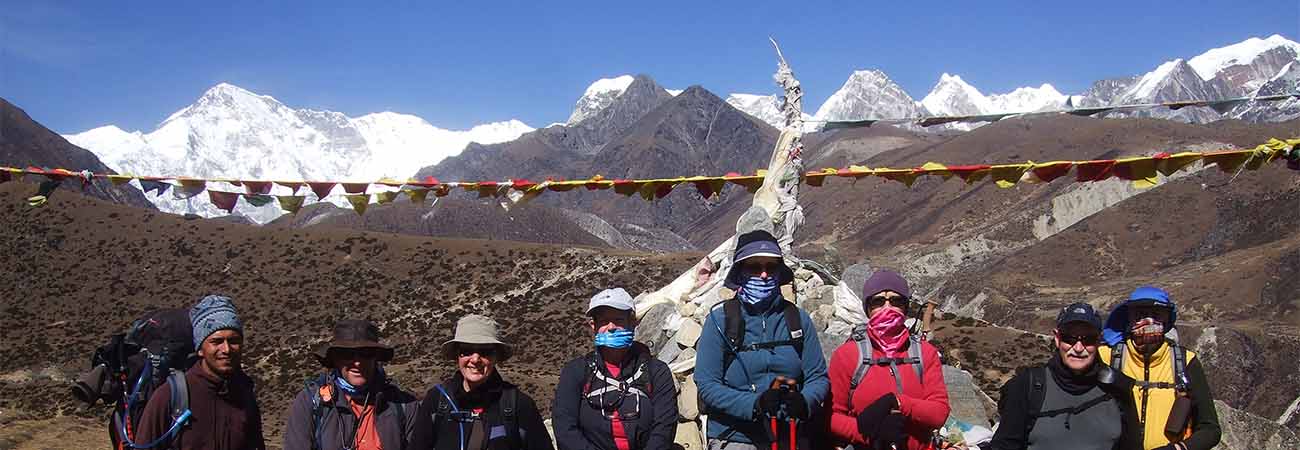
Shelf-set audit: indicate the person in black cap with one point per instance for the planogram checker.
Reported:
(353, 405)
(1073, 402)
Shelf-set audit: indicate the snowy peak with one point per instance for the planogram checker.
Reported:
(1174, 81)
(1209, 64)
(766, 108)
(868, 94)
(1042, 98)
(598, 96)
(953, 96)
(231, 132)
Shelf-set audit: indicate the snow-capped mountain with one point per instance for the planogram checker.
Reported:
(598, 95)
(230, 132)
(1246, 65)
(952, 96)
(764, 107)
(868, 94)
(1287, 81)
(1041, 98)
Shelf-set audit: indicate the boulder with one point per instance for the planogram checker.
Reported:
(688, 333)
(688, 407)
(689, 436)
(969, 404)
(855, 276)
(650, 331)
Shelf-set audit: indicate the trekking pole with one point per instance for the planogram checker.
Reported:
(794, 445)
(776, 432)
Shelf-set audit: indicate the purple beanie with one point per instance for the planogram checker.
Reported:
(885, 280)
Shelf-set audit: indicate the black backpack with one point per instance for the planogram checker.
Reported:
(157, 348)
(447, 411)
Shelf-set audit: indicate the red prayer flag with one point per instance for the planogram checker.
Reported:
(223, 200)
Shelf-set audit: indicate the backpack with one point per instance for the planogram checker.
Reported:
(157, 348)
(867, 360)
(1038, 393)
(1180, 367)
(735, 330)
(321, 391)
(446, 410)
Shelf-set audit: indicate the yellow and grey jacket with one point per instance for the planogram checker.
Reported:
(1156, 388)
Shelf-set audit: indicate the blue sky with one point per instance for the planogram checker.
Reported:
(75, 66)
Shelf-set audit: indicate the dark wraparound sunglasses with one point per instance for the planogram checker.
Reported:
(485, 352)
(1088, 340)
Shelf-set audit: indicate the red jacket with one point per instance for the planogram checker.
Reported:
(924, 407)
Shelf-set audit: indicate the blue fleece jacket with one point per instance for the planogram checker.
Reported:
(729, 398)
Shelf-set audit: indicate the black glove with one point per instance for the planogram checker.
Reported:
(889, 432)
(768, 403)
(795, 406)
(870, 418)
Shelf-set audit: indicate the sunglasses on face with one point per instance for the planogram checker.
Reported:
(755, 267)
(482, 352)
(1090, 340)
(877, 301)
(356, 353)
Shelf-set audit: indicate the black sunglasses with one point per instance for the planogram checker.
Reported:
(355, 353)
(1088, 340)
(877, 301)
(754, 267)
(485, 352)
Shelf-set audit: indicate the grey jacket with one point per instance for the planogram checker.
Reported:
(395, 420)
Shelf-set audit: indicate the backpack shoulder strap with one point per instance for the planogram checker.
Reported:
(509, 411)
(916, 359)
(865, 360)
(1180, 366)
(1037, 394)
(734, 327)
(319, 405)
(1117, 357)
(179, 402)
(795, 323)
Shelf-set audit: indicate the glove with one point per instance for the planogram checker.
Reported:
(795, 406)
(768, 403)
(889, 432)
(870, 418)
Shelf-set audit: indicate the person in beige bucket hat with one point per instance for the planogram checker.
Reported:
(476, 408)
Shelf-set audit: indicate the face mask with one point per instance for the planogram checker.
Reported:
(886, 329)
(1147, 332)
(354, 391)
(615, 338)
(757, 290)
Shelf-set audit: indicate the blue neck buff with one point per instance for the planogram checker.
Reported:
(758, 291)
(355, 391)
(615, 338)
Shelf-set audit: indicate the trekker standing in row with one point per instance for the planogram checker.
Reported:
(1075, 401)
(619, 396)
(353, 405)
(475, 409)
(759, 364)
(1174, 401)
(887, 388)
(221, 402)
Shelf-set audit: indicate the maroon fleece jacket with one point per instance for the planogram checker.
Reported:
(225, 414)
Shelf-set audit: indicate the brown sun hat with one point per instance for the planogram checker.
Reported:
(355, 334)
(475, 329)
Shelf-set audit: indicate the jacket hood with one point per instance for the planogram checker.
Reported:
(1117, 321)
(755, 243)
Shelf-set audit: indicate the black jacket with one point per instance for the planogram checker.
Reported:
(395, 412)
(437, 430)
(581, 425)
(1014, 410)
